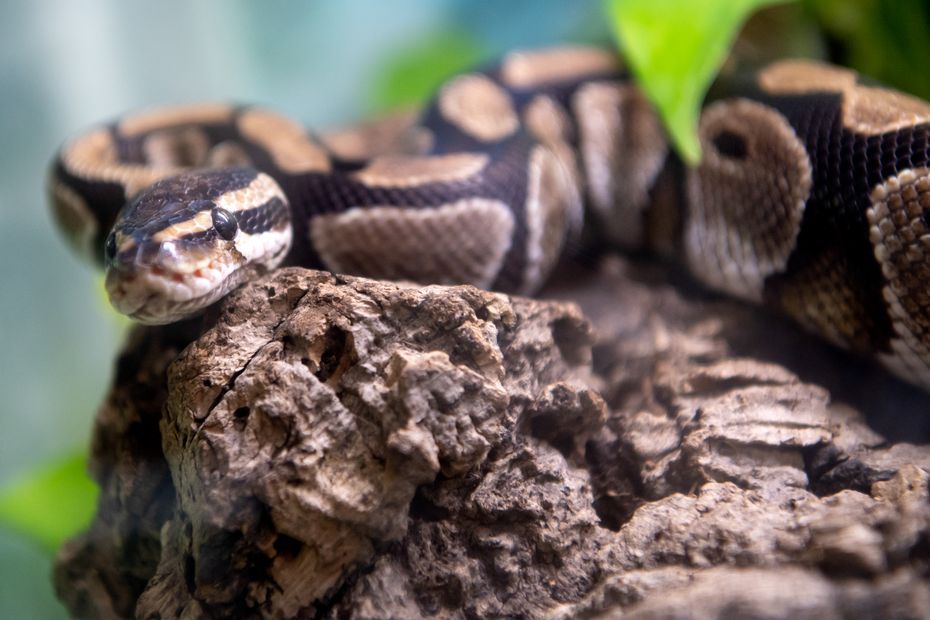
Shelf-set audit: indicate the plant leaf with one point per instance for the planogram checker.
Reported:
(674, 49)
(50, 503)
(410, 75)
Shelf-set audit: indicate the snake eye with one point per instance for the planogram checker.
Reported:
(225, 223)
(109, 248)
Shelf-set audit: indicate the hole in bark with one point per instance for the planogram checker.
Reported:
(287, 547)
(553, 431)
(615, 481)
(206, 382)
(921, 549)
(334, 356)
(567, 338)
(240, 417)
(424, 509)
(190, 572)
(830, 470)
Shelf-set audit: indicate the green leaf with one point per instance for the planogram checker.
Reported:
(410, 75)
(50, 503)
(674, 49)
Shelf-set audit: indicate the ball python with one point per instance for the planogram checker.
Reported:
(812, 196)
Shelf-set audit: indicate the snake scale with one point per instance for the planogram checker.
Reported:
(812, 196)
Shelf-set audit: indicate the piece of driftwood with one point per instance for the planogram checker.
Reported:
(340, 447)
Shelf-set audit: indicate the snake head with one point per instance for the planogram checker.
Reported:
(186, 241)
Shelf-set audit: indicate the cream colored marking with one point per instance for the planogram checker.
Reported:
(262, 189)
(285, 140)
(553, 211)
(403, 171)
(395, 133)
(227, 153)
(479, 107)
(176, 147)
(267, 247)
(74, 218)
(201, 222)
(871, 111)
(901, 242)
(794, 77)
(528, 69)
(549, 123)
(93, 156)
(547, 120)
(744, 213)
(623, 149)
(461, 242)
(205, 113)
(865, 109)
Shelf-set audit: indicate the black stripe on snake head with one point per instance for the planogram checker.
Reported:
(187, 240)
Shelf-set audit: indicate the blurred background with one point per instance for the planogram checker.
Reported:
(66, 65)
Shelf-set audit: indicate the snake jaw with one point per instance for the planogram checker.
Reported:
(156, 295)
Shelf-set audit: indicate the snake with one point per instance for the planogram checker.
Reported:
(812, 196)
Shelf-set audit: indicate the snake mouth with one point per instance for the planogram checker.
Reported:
(156, 296)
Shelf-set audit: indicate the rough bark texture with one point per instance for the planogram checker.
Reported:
(338, 447)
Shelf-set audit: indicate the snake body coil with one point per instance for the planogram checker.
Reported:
(813, 195)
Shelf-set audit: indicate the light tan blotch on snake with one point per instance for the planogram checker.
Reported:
(553, 214)
(900, 237)
(413, 171)
(623, 149)
(285, 140)
(865, 109)
(818, 294)
(479, 107)
(746, 198)
(462, 241)
(530, 69)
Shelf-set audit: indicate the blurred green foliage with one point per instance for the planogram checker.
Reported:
(51, 503)
(674, 49)
(888, 40)
(411, 74)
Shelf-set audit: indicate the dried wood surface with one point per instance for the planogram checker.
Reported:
(339, 447)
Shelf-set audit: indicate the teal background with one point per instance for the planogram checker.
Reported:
(65, 65)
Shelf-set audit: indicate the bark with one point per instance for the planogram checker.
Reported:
(338, 447)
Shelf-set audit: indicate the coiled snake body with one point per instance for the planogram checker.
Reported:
(812, 197)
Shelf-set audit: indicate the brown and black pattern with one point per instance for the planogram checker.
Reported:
(861, 140)
(813, 195)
